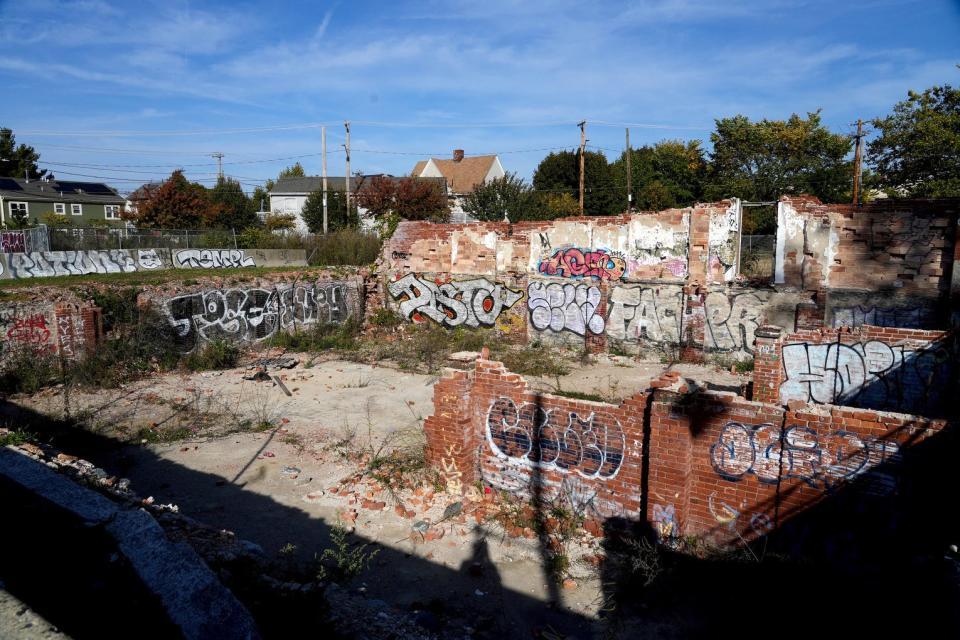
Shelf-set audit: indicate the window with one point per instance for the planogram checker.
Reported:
(111, 211)
(76, 209)
(18, 208)
(290, 205)
(60, 209)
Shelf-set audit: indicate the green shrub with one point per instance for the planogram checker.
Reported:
(384, 317)
(344, 247)
(218, 354)
(24, 370)
(319, 337)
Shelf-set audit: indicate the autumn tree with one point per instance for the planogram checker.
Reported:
(18, 161)
(234, 209)
(175, 204)
(403, 198)
(560, 173)
(917, 151)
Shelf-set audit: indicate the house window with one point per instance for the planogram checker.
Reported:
(112, 211)
(289, 205)
(18, 208)
(76, 209)
(60, 209)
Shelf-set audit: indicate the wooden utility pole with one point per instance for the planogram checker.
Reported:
(323, 139)
(583, 144)
(629, 176)
(347, 147)
(857, 162)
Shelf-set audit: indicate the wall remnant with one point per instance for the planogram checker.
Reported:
(471, 303)
(565, 307)
(580, 263)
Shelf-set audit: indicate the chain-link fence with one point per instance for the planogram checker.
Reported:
(86, 238)
(24, 240)
(757, 257)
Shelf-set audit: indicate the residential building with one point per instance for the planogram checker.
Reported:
(47, 200)
(463, 174)
(289, 195)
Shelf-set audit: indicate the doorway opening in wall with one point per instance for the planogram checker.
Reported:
(758, 241)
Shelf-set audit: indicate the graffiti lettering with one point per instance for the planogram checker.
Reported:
(579, 263)
(467, 302)
(400, 255)
(148, 259)
(914, 318)
(451, 473)
(822, 461)
(214, 258)
(69, 332)
(31, 330)
(873, 374)
(551, 438)
(66, 263)
(254, 314)
(12, 242)
(559, 307)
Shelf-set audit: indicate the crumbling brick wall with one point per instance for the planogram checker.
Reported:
(69, 330)
(687, 461)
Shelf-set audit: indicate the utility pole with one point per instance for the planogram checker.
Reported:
(347, 148)
(629, 175)
(219, 156)
(323, 138)
(583, 144)
(857, 162)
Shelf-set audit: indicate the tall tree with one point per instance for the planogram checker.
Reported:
(509, 195)
(337, 216)
(766, 159)
(404, 198)
(668, 174)
(175, 204)
(918, 150)
(294, 171)
(261, 199)
(235, 209)
(18, 161)
(560, 173)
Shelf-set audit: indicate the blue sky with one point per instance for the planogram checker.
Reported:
(131, 78)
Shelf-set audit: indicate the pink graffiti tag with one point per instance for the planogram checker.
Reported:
(575, 263)
(30, 330)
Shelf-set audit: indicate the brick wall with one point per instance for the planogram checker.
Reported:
(717, 465)
(68, 330)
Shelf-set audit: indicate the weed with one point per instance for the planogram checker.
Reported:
(343, 561)
(295, 440)
(384, 317)
(319, 337)
(744, 366)
(644, 560)
(217, 354)
(27, 371)
(578, 395)
(18, 436)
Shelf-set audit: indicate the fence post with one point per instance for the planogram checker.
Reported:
(234, 231)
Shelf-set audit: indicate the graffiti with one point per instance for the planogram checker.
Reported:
(578, 263)
(872, 374)
(544, 241)
(645, 313)
(909, 317)
(400, 255)
(40, 264)
(656, 313)
(451, 473)
(723, 241)
(12, 242)
(551, 438)
(665, 522)
(30, 330)
(148, 259)
(564, 307)
(468, 302)
(724, 514)
(69, 333)
(661, 247)
(254, 314)
(214, 258)
(822, 461)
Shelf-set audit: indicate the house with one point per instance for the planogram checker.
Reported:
(45, 200)
(463, 175)
(288, 195)
(141, 192)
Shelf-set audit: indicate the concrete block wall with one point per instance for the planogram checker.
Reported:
(716, 465)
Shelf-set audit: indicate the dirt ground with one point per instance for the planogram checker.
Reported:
(279, 471)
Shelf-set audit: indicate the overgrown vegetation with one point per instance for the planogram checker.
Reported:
(345, 560)
(347, 246)
(217, 354)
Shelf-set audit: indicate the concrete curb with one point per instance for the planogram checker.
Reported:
(191, 594)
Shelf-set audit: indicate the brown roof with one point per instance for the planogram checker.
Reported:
(462, 176)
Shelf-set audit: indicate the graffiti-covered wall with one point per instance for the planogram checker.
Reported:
(716, 465)
(48, 329)
(43, 264)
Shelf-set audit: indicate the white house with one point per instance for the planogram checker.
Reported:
(463, 175)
